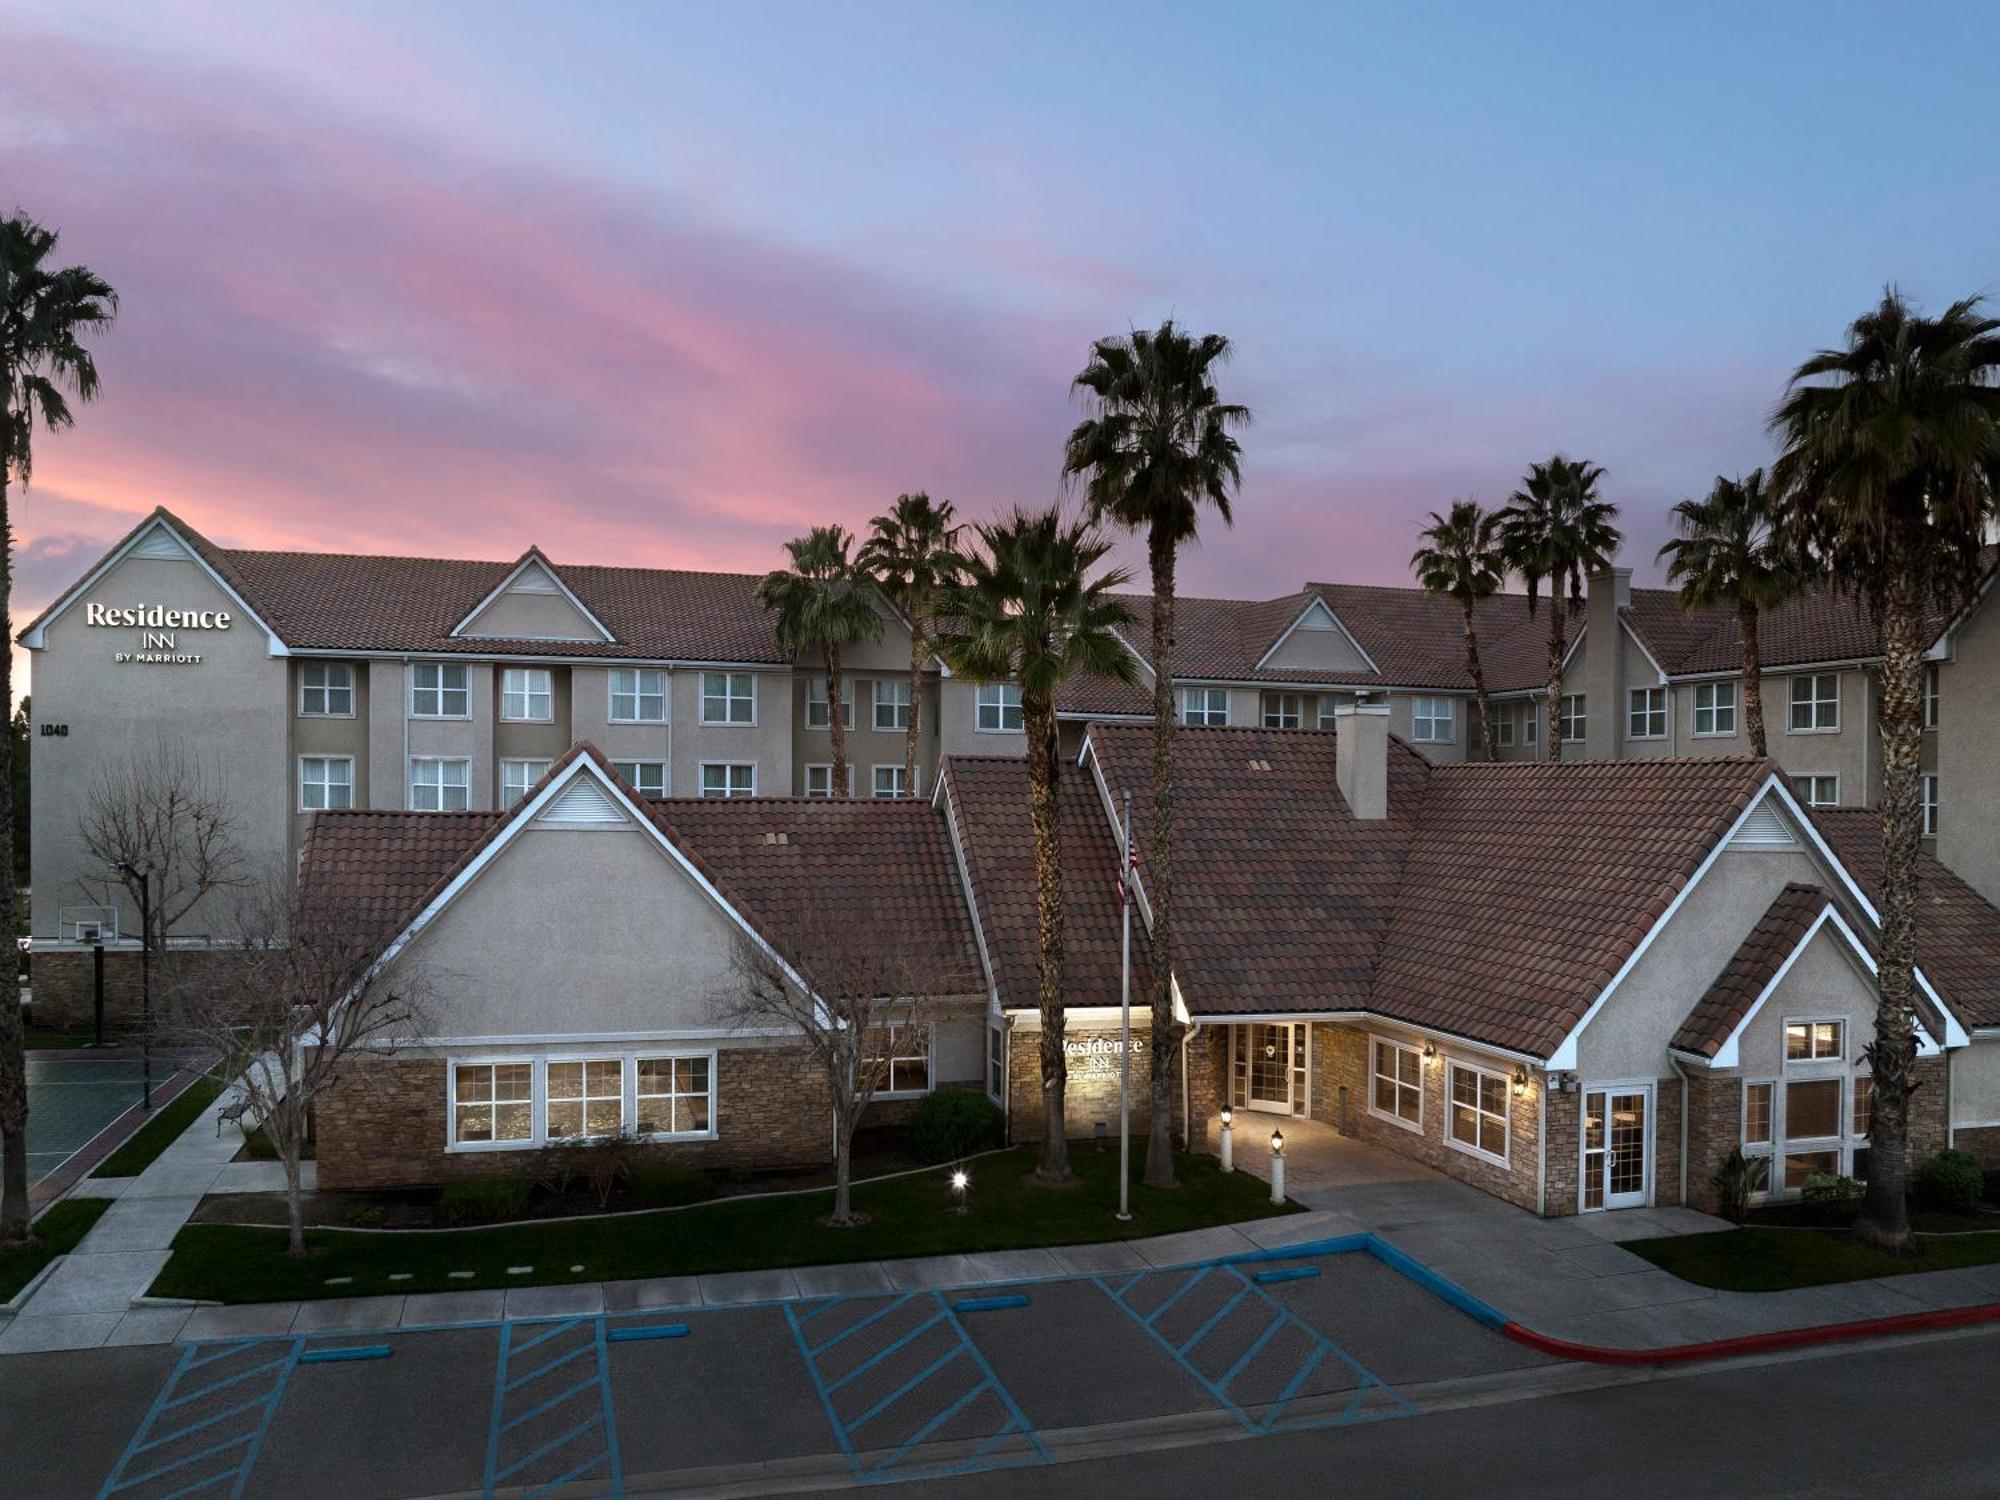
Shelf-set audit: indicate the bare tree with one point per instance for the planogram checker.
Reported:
(857, 1003)
(302, 998)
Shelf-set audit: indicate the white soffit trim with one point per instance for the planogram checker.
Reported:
(1318, 604)
(942, 799)
(156, 538)
(535, 574)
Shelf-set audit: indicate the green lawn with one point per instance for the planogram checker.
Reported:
(158, 1133)
(1761, 1259)
(44, 1040)
(56, 1233)
(908, 1217)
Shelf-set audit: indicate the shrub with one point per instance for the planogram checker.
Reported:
(1952, 1182)
(948, 1126)
(367, 1216)
(483, 1198)
(663, 1184)
(1830, 1197)
(1736, 1179)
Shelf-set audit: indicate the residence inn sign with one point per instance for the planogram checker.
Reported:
(159, 630)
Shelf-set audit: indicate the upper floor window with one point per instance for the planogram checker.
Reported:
(728, 698)
(1431, 720)
(999, 707)
(892, 703)
(638, 696)
(1930, 823)
(1207, 706)
(439, 690)
(325, 782)
(439, 785)
(1531, 722)
(890, 782)
(326, 690)
(647, 777)
(1815, 703)
(516, 776)
(819, 780)
(1646, 714)
(1817, 791)
(1503, 725)
(1814, 1041)
(1327, 704)
(1714, 708)
(817, 716)
(527, 695)
(1574, 720)
(1931, 696)
(728, 779)
(1282, 711)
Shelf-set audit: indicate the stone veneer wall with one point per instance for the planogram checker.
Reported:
(1092, 1091)
(64, 986)
(384, 1125)
(1982, 1141)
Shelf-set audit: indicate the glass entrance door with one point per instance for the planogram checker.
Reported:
(1270, 1060)
(1615, 1122)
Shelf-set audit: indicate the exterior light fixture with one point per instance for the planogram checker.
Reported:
(961, 1182)
(1270, 1050)
(1277, 1143)
(1228, 1139)
(1521, 1081)
(1430, 1052)
(1277, 1166)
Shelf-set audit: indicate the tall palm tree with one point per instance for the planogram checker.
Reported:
(1158, 446)
(911, 553)
(45, 315)
(823, 604)
(1889, 476)
(1026, 608)
(1555, 530)
(1460, 560)
(1726, 553)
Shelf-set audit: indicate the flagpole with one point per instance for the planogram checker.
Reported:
(1125, 1017)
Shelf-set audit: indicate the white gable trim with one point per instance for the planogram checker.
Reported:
(1659, 672)
(1318, 602)
(942, 800)
(533, 559)
(36, 637)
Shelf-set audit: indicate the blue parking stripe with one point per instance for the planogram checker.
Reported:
(344, 1355)
(652, 1331)
(593, 1429)
(860, 1323)
(887, 1350)
(1181, 1291)
(1286, 1273)
(160, 1427)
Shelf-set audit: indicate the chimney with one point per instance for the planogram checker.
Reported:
(1602, 677)
(1361, 757)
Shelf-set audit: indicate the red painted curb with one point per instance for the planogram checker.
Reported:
(1757, 1343)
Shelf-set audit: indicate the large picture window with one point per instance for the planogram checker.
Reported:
(493, 1104)
(728, 698)
(326, 783)
(676, 1095)
(586, 1098)
(440, 785)
(638, 696)
(1398, 1092)
(906, 1060)
(439, 690)
(1478, 1113)
(326, 690)
(998, 708)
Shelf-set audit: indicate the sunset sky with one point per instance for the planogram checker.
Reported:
(669, 284)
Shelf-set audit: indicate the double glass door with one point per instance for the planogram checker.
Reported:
(1615, 1122)
(1267, 1067)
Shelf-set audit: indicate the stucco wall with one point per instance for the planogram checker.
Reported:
(1975, 1084)
(958, 729)
(1463, 722)
(1968, 753)
(767, 743)
(1318, 647)
(532, 617)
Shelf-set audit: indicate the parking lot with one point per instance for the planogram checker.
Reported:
(874, 1387)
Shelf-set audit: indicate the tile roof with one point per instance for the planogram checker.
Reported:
(369, 872)
(1958, 930)
(1418, 638)
(1283, 895)
(1754, 965)
(987, 800)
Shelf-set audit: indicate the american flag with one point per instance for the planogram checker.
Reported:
(1130, 872)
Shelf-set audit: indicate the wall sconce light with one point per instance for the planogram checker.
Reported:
(1430, 1052)
(1521, 1081)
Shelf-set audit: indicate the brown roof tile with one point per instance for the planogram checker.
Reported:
(1754, 965)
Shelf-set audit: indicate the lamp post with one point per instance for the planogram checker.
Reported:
(960, 1181)
(1228, 1139)
(145, 879)
(1127, 859)
(1277, 1166)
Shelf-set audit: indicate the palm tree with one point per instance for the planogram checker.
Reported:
(1555, 530)
(1889, 476)
(1460, 561)
(824, 603)
(1026, 609)
(911, 553)
(1158, 446)
(45, 315)
(1726, 554)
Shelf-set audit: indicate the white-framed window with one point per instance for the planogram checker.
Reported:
(585, 1098)
(1815, 703)
(1574, 718)
(638, 696)
(996, 1062)
(1646, 714)
(998, 709)
(1815, 1041)
(1431, 720)
(326, 690)
(439, 785)
(1476, 1112)
(1205, 706)
(516, 776)
(1814, 1112)
(819, 779)
(1862, 1108)
(326, 782)
(889, 782)
(1503, 725)
(1930, 823)
(674, 1095)
(493, 1104)
(817, 716)
(1531, 721)
(728, 698)
(1817, 791)
(892, 704)
(1327, 704)
(647, 777)
(1931, 695)
(527, 695)
(728, 778)
(1714, 708)
(906, 1061)
(440, 690)
(1759, 1115)
(1397, 1088)
(1282, 710)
